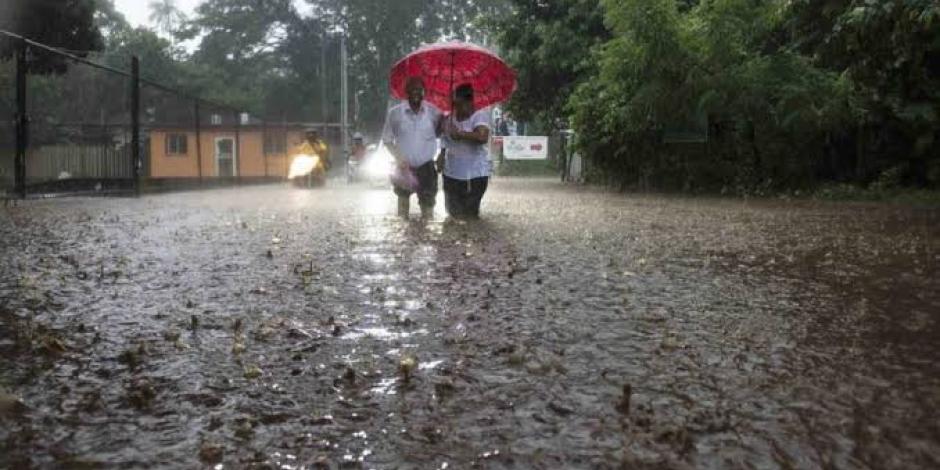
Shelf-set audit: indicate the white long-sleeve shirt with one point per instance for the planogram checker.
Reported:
(415, 134)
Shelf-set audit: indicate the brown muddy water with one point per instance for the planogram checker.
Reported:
(272, 327)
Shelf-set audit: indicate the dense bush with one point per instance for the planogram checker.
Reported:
(794, 93)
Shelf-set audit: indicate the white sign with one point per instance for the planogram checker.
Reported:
(525, 148)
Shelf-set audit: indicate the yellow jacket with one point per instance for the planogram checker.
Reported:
(320, 149)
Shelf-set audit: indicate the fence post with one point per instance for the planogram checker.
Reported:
(198, 141)
(22, 122)
(264, 147)
(238, 156)
(135, 123)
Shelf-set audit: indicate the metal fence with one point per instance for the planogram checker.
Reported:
(84, 125)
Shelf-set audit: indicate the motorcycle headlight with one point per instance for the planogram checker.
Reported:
(302, 165)
(380, 163)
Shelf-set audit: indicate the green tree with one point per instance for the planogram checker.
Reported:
(769, 109)
(241, 48)
(890, 50)
(108, 20)
(550, 44)
(166, 16)
(68, 24)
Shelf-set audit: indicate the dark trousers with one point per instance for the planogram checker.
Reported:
(427, 185)
(462, 197)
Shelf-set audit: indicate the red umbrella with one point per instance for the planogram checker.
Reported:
(445, 66)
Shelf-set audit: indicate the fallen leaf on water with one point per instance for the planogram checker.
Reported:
(211, 452)
(407, 365)
(10, 404)
(252, 372)
(171, 335)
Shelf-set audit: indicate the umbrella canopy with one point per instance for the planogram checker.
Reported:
(444, 66)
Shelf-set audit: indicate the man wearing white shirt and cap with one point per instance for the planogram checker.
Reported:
(411, 131)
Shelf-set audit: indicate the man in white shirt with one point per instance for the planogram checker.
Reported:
(411, 131)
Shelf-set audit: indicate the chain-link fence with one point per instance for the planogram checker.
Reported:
(7, 122)
(82, 125)
(79, 126)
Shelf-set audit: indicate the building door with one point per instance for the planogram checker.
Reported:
(225, 157)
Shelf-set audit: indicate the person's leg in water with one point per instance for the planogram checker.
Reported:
(427, 194)
(475, 190)
(454, 197)
(404, 197)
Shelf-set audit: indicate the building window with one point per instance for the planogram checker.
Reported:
(275, 142)
(176, 144)
(216, 120)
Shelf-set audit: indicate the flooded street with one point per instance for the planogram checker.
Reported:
(272, 327)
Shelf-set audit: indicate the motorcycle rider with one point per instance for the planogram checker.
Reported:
(313, 145)
(357, 153)
(358, 150)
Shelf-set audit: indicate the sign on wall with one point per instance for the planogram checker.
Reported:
(525, 147)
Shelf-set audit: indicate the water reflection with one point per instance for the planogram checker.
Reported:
(382, 333)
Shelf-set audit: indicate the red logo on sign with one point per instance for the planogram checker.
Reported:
(536, 147)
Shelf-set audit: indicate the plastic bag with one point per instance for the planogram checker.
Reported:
(405, 178)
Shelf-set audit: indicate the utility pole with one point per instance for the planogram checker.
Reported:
(135, 123)
(22, 121)
(323, 79)
(344, 104)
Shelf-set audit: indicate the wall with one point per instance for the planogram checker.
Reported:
(172, 166)
(48, 162)
(251, 159)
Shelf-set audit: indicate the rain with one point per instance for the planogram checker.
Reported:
(592, 316)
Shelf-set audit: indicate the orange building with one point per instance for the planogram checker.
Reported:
(248, 151)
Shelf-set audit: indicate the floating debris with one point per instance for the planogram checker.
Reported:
(252, 372)
(141, 394)
(349, 375)
(52, 345)
(171, 335)
(10, 404)
(406, 366)
(624, 405)
(211, 452)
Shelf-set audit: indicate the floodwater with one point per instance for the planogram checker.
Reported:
(273, 327)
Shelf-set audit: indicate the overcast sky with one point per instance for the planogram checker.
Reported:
(137, 12)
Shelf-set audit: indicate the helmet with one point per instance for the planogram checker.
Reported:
(357, 136)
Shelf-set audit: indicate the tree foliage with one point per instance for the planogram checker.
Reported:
(550, 44)
(68, 24)
(166, 16)
(793, 93)
(273, 60)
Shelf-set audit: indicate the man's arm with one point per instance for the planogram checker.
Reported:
(479, 135)
(388, 137)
